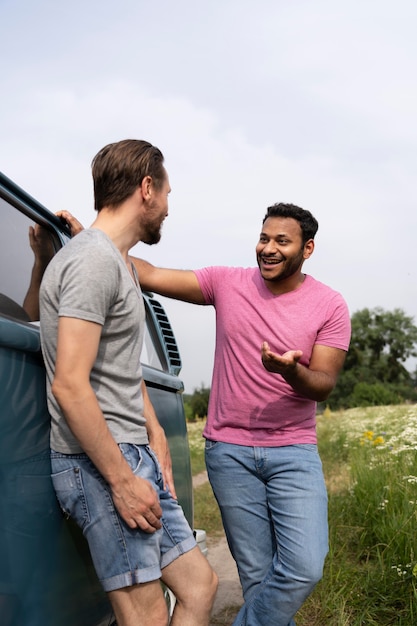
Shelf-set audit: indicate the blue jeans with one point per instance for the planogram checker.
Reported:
(273, 503)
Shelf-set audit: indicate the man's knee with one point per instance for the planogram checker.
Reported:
(192, 580)
(143, 603)
(198, 599)
(202, 587)
(209, 587)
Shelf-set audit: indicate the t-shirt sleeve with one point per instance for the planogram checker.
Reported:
(207, 277)
(88, 287)
(336, 330)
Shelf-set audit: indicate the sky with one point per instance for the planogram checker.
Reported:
(313, 103)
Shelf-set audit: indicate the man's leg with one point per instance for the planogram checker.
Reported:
(194, 585)
(129, 561)
(140, 605)
(241, 493)
(297, 500)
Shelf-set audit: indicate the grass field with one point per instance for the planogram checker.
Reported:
(370, 463)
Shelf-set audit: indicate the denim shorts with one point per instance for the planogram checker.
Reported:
(122, 556)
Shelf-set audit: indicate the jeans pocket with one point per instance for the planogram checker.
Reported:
(210, 444)
(70, 492)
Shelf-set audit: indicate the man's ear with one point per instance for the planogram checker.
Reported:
(146, 188)
(308, 248)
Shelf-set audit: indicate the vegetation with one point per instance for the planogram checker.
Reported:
(196, 404)
(370, 463)
(374, 372)
(196, 444)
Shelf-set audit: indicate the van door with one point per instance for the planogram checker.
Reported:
(46, 575)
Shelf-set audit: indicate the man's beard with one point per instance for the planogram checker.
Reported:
(152, 236)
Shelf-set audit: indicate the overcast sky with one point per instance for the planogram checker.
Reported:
(313, 103)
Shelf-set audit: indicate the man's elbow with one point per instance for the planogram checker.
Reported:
(324, 392)
(322, 395)
(61, 391)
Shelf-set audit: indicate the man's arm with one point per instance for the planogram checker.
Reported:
(317, 380)
(158, 441)
(41, 243)
(178, 284)
(134, 497)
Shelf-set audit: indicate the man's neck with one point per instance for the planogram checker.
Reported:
(285, 286)
(117, 225)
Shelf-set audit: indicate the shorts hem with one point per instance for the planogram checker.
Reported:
(128, 579)
(149, 574)
(178, 550)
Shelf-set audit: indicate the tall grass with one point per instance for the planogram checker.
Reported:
(370, 463)
(196, 444)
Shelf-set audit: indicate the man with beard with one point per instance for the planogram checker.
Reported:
(281, 341)
(111, 466)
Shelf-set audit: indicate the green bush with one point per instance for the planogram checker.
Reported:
(375, 394)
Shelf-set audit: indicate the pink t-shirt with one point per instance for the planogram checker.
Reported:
(249, 405)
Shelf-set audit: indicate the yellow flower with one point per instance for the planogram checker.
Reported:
(378, 441)
(327, 412)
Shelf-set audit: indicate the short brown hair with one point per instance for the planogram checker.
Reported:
(119, 169)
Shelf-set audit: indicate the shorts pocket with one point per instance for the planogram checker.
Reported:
(133, 455)
(158, 471)
(70, 492)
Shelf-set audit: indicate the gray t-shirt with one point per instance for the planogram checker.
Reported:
(88, 279)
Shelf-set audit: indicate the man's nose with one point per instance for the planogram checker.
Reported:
(271, 247)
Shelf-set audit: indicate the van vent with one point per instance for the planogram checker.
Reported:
(173, 354)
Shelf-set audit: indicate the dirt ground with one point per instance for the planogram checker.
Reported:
(229, 592)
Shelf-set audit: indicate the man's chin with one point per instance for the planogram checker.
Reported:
(153, 239)
(270, 277)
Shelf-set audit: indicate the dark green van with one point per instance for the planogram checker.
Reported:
(46, 575)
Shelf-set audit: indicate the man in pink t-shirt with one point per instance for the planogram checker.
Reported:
(281, 341)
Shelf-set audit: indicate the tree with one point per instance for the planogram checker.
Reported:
(196, 404)
(381, 343)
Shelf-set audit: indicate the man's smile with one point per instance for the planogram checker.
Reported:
(270, 260)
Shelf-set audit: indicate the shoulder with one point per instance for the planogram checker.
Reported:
(321, 290)
(218, 282)
(94, 239)
(90, 256)
(220, 278)
(222, 272)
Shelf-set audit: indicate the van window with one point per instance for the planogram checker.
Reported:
(17, 262)
(149, 355)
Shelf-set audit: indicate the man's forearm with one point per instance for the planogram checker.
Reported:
(31, 301)
(316, 381)
(88, 425)
(134, 497)
(316, 386)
